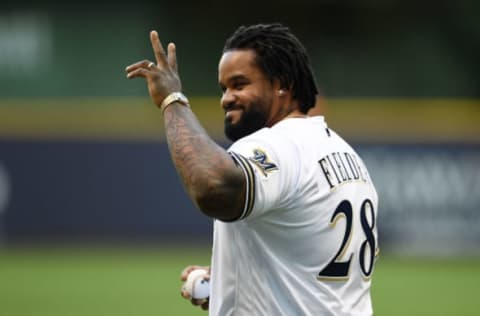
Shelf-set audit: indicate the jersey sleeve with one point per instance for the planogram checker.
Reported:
(269, 169)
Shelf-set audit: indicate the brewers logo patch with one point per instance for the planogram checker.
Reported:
(261, 160)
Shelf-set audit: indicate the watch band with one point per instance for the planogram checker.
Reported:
(174, 97)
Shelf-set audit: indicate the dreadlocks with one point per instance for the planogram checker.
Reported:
(280, 55)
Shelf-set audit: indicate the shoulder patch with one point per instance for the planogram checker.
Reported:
(260, 159)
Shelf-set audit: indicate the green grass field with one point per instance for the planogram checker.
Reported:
(130, 281)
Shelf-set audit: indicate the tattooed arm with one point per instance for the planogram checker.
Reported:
(212, 179)
(208, 172)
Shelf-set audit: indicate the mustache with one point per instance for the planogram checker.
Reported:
(233, 106)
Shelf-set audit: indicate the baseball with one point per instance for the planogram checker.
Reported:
(196, 286)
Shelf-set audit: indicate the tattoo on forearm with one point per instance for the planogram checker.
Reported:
(198, 159)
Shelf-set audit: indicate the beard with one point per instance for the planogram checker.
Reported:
(250, 121)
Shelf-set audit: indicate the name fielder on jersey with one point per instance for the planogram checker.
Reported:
(340, 168)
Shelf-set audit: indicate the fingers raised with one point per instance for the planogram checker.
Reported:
(141, 64)
(139, 72)
(158, 49)
(172, 57)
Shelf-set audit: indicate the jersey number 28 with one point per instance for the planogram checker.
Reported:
(337, 269)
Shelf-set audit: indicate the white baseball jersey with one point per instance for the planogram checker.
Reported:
(307, 239)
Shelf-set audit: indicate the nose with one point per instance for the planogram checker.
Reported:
(228, 97)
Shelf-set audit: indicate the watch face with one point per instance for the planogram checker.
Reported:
(181, 98)
(174, 97)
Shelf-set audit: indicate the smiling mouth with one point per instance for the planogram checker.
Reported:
(232, 111)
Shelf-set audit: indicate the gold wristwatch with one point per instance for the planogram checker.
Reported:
(174, 97)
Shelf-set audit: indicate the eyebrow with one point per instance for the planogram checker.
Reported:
(237, 77)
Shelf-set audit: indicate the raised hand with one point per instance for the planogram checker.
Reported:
(162, 77)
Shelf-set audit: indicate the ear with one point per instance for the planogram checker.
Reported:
(277, 87)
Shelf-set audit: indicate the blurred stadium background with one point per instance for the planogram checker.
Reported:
(93, 220)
